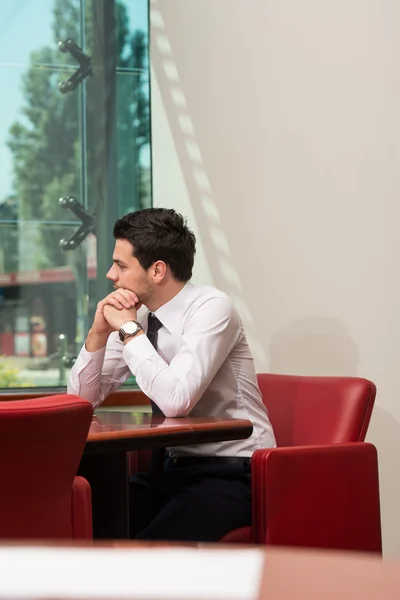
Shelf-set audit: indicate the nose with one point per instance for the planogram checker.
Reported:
(112, 274)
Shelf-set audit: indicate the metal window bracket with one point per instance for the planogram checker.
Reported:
(87, 226)
(84, 69)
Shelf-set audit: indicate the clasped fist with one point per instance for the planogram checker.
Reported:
(116, 308)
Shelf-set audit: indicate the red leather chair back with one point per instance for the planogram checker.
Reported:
(317, 410)
(41, 443)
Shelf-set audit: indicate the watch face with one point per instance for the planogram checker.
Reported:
(130, 327)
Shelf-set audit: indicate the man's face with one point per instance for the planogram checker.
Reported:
(127, 272)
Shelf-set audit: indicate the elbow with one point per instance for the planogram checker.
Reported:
(172, 411)
(172, 396)
(178, 404)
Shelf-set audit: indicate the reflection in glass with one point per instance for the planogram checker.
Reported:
(50, 144)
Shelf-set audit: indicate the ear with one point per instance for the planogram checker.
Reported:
(159, 271)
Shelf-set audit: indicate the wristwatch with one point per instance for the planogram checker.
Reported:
(129, 329)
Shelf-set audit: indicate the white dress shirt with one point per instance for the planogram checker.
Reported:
(202, 366)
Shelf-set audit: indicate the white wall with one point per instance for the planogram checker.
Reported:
(276, 130)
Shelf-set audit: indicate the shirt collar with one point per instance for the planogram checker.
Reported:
(171, 313)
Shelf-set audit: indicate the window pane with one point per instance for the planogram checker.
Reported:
(64, 142)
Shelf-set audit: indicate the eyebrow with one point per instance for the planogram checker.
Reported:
(119, 262)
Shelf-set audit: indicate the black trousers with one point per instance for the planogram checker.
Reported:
(190, 502)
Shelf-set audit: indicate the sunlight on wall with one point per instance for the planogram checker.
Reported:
(200, 195)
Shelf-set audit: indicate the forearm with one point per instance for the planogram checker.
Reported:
(96, 341)
(85, 377)
(98, 372)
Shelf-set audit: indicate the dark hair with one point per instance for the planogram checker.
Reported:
(159, 234)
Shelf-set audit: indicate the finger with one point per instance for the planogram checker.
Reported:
(130, 296)
(112, 301)
(102, 304)
(119, 297)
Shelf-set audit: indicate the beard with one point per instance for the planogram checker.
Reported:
(145, 291)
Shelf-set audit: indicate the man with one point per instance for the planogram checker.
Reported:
(194, 360)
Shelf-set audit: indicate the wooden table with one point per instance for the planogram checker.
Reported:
(113, 430)
(113, 434)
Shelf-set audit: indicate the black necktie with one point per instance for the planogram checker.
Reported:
(153, 325)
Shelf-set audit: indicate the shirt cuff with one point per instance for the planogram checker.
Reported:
(137, 351)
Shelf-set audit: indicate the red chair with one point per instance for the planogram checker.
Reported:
(319, 488)
(41, 444)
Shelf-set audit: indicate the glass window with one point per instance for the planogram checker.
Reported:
(74, 156)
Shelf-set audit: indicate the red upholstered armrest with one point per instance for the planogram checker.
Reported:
(81, 509)
(317, 496)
